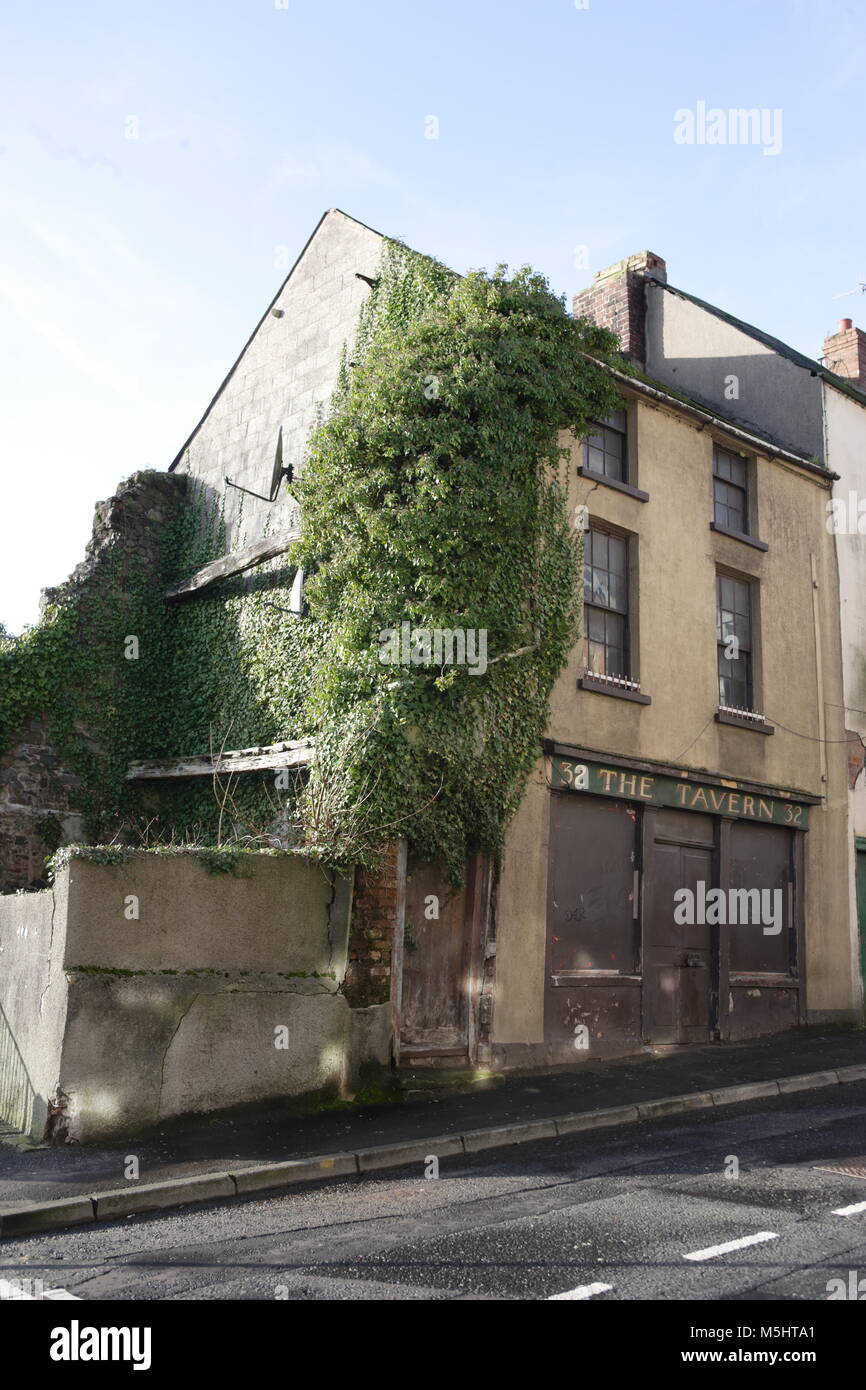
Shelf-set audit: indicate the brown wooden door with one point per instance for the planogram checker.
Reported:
(677, 957)
(440, 960)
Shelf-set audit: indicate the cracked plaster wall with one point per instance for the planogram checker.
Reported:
(181, 1008)
(33, 999)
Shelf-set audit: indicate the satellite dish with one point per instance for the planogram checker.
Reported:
(278, 473)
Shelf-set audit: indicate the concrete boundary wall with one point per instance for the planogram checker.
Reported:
(157, 987)
(33, 1001)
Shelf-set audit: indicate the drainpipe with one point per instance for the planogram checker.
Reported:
(819, 669)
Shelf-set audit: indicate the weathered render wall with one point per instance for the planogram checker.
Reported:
(674, 633)
(286, 371)
(178, 1009)
(846, 445)
(518, 1005)
(674, 657)
(846, 449)
(696, 352)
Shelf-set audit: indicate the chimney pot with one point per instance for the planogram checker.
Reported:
(845, 353)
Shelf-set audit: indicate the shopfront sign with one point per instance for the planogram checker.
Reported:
(682, 793)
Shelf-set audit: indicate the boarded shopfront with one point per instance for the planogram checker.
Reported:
(675, 909)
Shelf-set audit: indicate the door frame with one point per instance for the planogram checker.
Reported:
(398, 948)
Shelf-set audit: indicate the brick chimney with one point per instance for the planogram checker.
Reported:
(617, 300)
(845, 353)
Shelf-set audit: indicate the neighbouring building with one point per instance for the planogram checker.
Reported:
(770, 384)
(844, 401)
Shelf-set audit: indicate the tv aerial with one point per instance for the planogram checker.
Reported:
(861, 289)
(279, 472)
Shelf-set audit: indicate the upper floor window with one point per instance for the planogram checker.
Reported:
(605, 598)
(730, 491)
(605, 449)
(734, 642)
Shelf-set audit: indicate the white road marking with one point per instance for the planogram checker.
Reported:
(584, 1291)
(850, 1211)
(14, 1293)
(713, 1250)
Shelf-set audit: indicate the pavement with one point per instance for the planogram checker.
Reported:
(202, 1151)
(757, 1202)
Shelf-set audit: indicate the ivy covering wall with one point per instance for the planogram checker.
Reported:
(434, 494)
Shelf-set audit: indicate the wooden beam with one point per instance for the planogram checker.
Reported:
(235, 563)
(295, 753)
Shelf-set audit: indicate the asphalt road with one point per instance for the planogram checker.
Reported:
(645, 1212)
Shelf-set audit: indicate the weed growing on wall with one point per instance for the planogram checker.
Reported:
(434, 496)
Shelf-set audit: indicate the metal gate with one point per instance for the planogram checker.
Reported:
(16, 1091)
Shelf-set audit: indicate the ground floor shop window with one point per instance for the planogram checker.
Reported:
(761, 865)
(592, 868)
(664, 923)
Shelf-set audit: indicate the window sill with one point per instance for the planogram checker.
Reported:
(743, 722)
(739, 536)
(605, 688)
(615, 483)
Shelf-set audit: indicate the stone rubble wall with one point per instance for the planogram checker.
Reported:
(39, 802)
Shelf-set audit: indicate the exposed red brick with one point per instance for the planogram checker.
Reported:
(617, 300)
(371, 935)
(845, 353)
